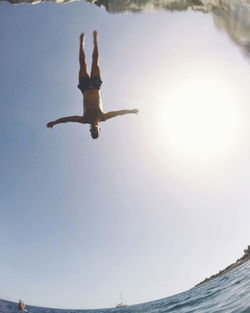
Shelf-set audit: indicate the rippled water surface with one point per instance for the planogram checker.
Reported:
(226, 294)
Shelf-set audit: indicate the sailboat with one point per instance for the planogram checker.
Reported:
(121, 304)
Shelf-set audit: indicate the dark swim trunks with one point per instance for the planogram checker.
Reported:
(86, 83)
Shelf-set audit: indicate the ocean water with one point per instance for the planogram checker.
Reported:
(229, 293)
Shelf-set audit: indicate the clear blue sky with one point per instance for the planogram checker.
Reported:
(161, 200)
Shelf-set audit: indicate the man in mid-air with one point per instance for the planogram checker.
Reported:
(90, 88)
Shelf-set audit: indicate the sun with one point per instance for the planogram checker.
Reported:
(199, 121)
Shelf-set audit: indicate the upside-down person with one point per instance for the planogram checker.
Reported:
(90, 88)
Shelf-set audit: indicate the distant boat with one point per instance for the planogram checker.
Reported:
(121, 304)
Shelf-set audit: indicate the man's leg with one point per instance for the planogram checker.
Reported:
(83, 67)
(95, 70)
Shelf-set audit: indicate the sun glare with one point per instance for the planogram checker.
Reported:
(199, 121)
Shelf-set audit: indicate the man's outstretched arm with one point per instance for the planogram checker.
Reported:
(121, 112)
(66, 119)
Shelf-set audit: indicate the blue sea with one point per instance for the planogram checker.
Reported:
(229, 293)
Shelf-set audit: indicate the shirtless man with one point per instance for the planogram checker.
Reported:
(90, 88)
(21, 306)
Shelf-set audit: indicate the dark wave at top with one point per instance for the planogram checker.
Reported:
(120, 6)
(231, 16)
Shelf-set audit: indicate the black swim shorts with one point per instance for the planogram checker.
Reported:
(88, 83)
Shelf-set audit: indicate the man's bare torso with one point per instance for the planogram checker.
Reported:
(92, 106)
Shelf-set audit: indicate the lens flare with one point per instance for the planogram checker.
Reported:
(198, 122)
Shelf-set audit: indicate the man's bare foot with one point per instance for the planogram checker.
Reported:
(95, 37)
(50, 124)
(82, 38)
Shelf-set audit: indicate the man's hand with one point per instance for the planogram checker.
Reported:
(50, 124)
(135, 111)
